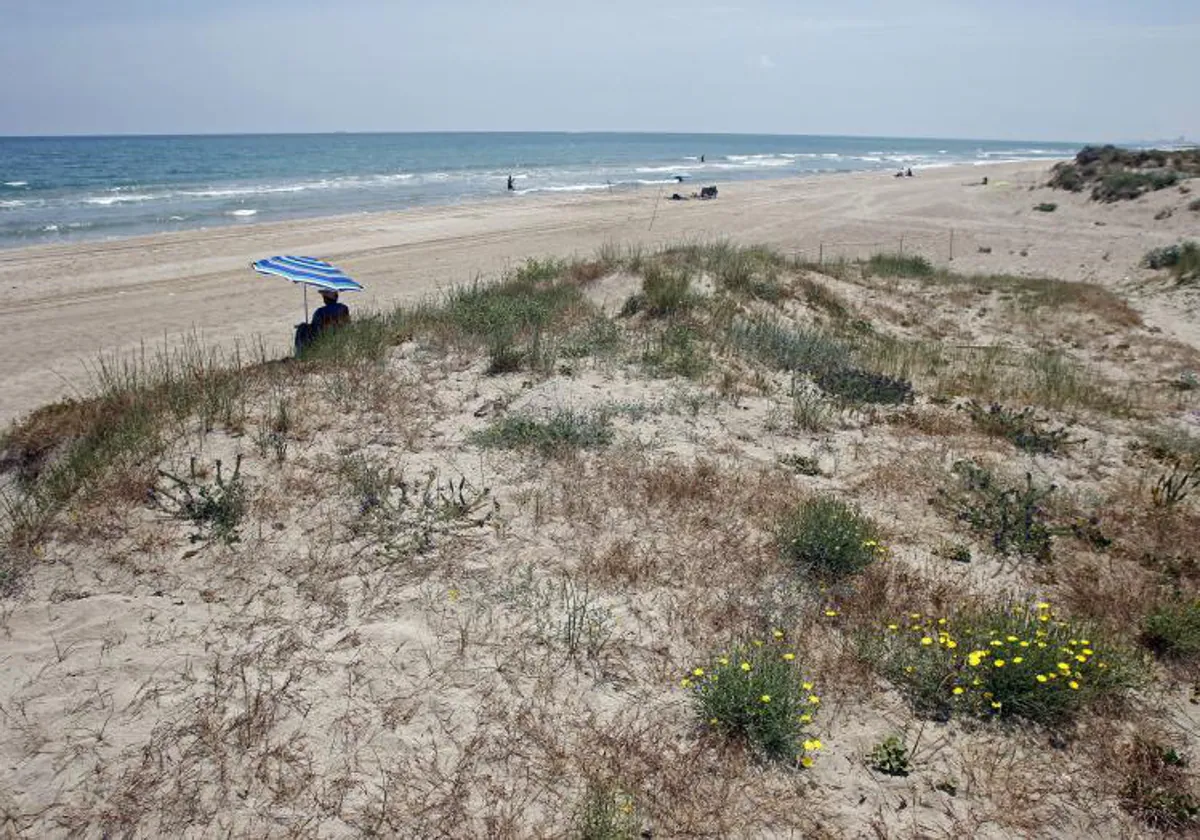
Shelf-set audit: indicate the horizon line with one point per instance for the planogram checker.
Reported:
(137, 135)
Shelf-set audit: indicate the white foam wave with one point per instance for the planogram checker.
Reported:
(682, 170)
(16, 183)
(50, 228)
(13, 203)
(109, 200)
(242, 213)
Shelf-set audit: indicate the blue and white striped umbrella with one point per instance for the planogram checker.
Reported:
(307, 271)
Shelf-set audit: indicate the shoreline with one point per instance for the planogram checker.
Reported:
(68, 304)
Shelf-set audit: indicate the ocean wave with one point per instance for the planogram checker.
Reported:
(12, 203)
(109, 200)
(16, 183)
(49, 228)
(242, 213)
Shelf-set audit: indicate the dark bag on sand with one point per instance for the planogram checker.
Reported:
(304, 336)
(708, 192)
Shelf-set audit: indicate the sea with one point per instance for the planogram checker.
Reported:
(60, 189)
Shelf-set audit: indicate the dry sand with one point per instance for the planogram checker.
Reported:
(310, 681)
(64, 305)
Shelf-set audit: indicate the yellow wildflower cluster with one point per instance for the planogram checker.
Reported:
(882, 552)
(993, 663)
(755, 690)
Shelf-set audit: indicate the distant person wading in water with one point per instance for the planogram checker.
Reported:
(510, 184)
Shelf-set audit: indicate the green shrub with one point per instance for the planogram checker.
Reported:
(787, 348)
(756, 692)
(891, 757)
(899, 265)
(666, 291)
(853, 385)
(1183, 260)
(608, 813)
(216, 509)
(565, 430)
(1013, 519)
(828, 538)
(998, 662)
(1022, 428)
(677, 351)
(1046, 207)
(1172, 630)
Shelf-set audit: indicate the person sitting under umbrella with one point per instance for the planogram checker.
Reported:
(332, 314)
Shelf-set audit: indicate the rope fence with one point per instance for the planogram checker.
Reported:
(937, 247)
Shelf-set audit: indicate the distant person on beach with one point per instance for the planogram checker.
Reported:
(510, 184)
(985, 180)
(702, 158)
(908, 172)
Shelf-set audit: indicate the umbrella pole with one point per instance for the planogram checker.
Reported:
(305, 303)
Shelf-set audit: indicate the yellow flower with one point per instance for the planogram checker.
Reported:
(724, 660)
(1084, 642)
(1017, 660)
(1063, 666)
(974, 658)
(685, 683)
(999, 663)
(807, 686)
(698, 672)
(814, 699)
(941, 621)
(831, 613)
(758, 642)
(745, 666)
(925, 640)
(806, 761)
(766, 698)
(1088, 652)
(1041, 678)
(1081, 658)
(1011, 638)
(914, 615)
(870, 544)
(893, 627)
(712, 721)
(813, 745)
(1043, 606)
(806, 718)
(452, 594)
(1074, 685)
(1024, 644)
(778, 634)
(950, 643)
(788, 657)
(958, 689)
(995, 643)
(996, 704)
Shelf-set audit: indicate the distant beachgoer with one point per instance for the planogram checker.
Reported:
(985, 180)
(679, 178)
(510, 184)
(702, 158)
(908, 172)
(900, 174)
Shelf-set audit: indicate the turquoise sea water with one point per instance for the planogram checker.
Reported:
(56, 189)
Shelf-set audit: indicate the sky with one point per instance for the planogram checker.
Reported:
(1067, 70)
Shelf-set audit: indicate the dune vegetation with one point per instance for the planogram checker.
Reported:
(697, 541)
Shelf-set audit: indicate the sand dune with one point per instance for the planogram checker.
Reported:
(64, 305)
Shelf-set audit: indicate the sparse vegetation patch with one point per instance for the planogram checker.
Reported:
(828, 538)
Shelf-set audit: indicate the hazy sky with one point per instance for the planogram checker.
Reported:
(1021, 69)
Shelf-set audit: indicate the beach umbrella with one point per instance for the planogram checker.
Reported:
(307, 272)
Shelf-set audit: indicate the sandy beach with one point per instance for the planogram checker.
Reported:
(457, 588)
(64, 306)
